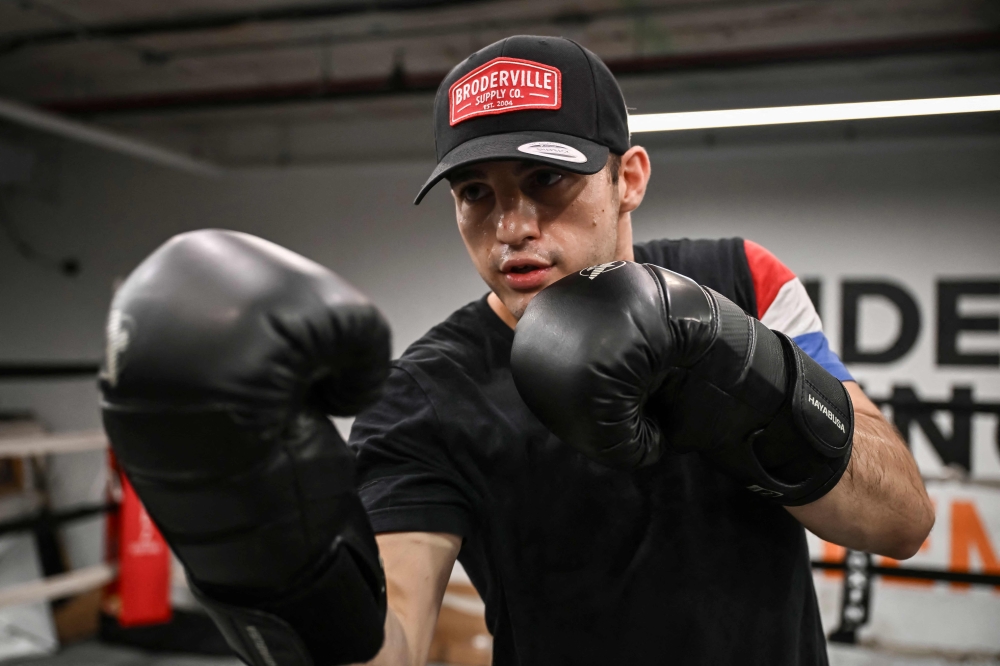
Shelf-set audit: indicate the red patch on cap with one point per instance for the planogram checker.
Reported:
(503, 85)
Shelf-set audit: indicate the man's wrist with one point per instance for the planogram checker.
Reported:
(395, 648)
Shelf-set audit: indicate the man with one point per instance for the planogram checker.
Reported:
(579, 562)
(664, 523)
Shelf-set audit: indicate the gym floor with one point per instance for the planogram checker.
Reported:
(96, 654)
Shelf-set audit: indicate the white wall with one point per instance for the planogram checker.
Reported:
(913, 207)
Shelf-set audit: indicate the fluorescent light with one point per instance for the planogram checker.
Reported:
(816, 113)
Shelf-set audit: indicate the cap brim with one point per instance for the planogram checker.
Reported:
(589, 157)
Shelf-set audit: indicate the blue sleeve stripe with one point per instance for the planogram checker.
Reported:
(818, 347)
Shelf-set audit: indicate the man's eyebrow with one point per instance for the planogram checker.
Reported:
(527, 165)
(464, 175)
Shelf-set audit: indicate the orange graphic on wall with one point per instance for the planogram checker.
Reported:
(968, 534)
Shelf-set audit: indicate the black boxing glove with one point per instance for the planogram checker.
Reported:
(225, 354)
(625, 361)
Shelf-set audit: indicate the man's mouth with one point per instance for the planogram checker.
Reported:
(525, 274)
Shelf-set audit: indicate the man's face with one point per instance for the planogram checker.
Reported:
(527, 224)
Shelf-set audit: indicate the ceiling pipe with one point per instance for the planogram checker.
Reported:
(400, 82)
(219, 21)
(561, 18)
(71, 129)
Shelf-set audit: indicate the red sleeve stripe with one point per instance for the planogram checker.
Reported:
(769, 275)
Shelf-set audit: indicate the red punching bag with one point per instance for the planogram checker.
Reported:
(143, 565)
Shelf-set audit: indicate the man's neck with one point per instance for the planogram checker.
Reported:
(624, 248)
(501, 310)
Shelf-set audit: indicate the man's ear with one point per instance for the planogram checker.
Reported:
(633, 176)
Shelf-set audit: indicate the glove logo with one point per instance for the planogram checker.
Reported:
(119, 332)
(258, 642)
(764, 492)
(594, 271)
(827, 413)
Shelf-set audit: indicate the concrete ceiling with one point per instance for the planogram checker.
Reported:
(263, 81)
(71, 53)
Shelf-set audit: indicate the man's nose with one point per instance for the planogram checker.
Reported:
(517, 219)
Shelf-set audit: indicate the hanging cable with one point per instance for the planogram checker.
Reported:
(68, 266)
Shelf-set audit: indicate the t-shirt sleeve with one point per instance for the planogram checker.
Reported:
(784, 305)
(406, 478)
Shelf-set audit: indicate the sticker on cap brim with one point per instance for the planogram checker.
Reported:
(503, 85)
(553, 150)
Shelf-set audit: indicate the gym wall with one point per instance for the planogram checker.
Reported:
(916, 213)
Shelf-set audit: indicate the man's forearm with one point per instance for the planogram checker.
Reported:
(417, 568)
(396, 648)
(880, 505)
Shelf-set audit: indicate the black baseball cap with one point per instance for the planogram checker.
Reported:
(545, 99)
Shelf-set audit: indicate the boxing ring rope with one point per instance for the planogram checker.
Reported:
(40, 445)
(78, 581)
(914, 573)
(67, 370)
(59, 586)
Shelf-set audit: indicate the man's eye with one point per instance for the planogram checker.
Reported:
(547, 178)
(472, 193)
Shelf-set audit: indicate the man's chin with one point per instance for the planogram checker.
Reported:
(517, 302)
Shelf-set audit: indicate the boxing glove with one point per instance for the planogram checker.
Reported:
(225, 356)
(627, 361)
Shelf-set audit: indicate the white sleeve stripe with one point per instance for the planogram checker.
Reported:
(792, 312)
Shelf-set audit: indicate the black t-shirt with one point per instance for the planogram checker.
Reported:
(578, 563)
